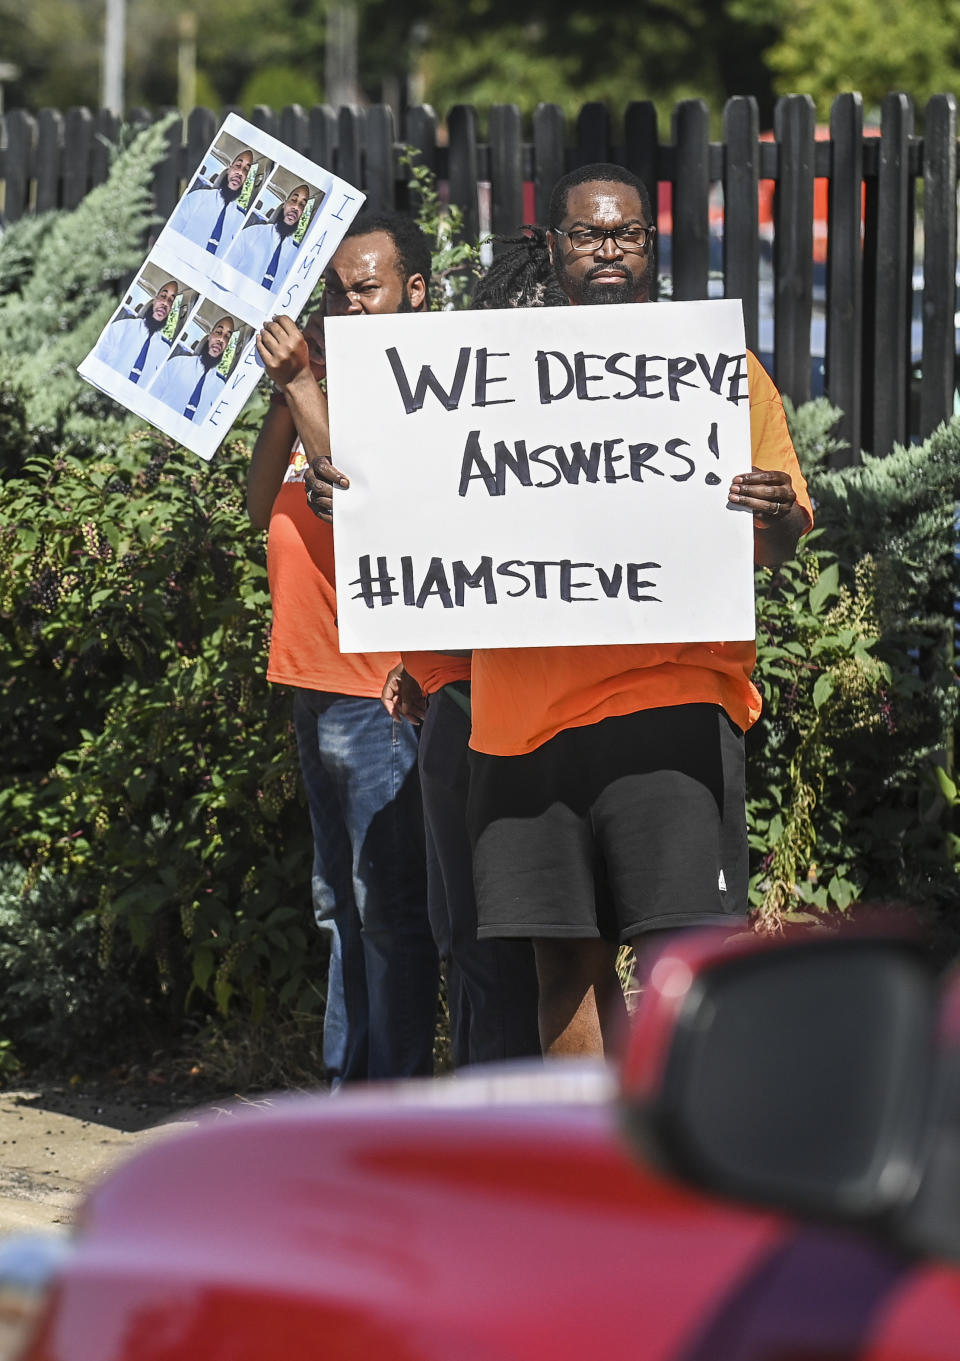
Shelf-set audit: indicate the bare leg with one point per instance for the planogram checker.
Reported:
(581, 1002)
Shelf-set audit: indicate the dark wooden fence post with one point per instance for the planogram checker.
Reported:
(794, 125)
(892, 280)
(641, 155)
(549, 156)
(76, 156)
(420, 133)
(844, 359)
(350, 136)
(21, 140)
(593, 135)
(462, 174)
(49, 159)
(264, 118)
(295, 128)
(938, 373)
(741, 234)
(106, 126)
(506, 170)
(323, 136)
(166, 177)
(381, 173)
(691, 200)
(202, 127)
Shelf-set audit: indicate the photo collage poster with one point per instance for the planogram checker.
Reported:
(248, 240)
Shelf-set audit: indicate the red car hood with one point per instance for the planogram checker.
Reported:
(493, 1217)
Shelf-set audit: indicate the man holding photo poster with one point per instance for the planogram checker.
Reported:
(359, 765)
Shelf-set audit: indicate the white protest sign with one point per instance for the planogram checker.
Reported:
(541, 476)
(250, 238)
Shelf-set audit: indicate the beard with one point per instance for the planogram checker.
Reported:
(210, 361)
(584, 291)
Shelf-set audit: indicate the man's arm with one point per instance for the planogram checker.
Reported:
(286, 358)
(271, 455)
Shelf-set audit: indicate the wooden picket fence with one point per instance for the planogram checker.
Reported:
(847, 276)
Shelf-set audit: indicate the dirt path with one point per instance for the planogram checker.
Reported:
(55, 1142)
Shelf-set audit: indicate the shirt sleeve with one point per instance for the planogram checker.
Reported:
(771, 445)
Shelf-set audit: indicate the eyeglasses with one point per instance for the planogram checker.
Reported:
(628, 238)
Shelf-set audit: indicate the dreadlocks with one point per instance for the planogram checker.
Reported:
(522, 276)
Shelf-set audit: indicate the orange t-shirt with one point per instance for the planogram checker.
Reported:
(433, 670)
(523, 696)
(305, 643)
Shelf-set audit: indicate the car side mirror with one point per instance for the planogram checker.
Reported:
(798, 1075)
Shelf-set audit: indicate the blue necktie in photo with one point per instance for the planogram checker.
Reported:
(214, 240)
(190, 410)
(136, 373)
(271, 274)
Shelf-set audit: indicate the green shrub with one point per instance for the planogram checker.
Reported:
(142, 751)
(855, 660)
(147, 749)
(60, 997)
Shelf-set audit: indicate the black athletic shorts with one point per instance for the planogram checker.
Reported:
(628, 825)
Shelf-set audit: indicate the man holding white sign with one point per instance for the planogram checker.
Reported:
(607, 782)
(575, 495)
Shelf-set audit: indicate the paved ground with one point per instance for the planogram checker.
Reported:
(56, 1141)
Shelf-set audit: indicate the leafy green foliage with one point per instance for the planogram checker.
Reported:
(480, 52)
(148, 750)
(58, 996)
(455, 261)
(825, 46)
(855, 661)
(486, 51)
(58, 47)
(56, 295)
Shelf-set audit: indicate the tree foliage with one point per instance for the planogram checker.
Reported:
(479, 52)
(57, 46)
(824, 47)
(484, 52)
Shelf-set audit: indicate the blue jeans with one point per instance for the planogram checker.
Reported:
(369, 886)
